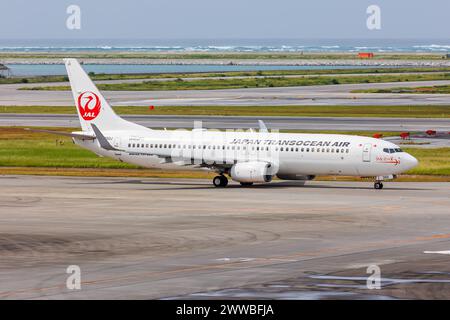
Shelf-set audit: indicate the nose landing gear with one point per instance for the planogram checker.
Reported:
(220, 181)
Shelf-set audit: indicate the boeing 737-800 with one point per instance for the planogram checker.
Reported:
(246, 156)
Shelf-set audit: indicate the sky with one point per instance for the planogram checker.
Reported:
(214, 19)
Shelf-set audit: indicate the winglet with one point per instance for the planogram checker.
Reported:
(101, 139)
(262, 126)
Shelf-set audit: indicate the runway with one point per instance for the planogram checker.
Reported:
(238, 122)
(172, 238)
(306, 95)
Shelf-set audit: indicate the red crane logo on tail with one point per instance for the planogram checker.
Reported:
(88, 105)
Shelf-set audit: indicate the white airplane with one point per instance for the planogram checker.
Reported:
(246, 156)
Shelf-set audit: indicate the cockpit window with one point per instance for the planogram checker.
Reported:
(392, 150)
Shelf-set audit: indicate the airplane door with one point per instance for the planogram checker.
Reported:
(116, 142)
(367, 148)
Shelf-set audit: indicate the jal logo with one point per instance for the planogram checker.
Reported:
(88, 105)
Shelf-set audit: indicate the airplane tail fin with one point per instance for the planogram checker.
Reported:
(91, 106)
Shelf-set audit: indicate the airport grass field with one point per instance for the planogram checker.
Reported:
(287, 111)
(267, 73)
(26, 152)
(418, 90)
(252, 82)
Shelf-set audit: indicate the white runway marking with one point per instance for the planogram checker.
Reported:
(438, 252)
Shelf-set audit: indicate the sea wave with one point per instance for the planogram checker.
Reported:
(230, 48)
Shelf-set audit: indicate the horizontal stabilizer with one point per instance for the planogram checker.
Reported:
(83, 136)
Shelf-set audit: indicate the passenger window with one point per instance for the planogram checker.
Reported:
(281, 149)
(129, 145)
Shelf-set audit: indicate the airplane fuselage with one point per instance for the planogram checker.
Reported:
(292, 154)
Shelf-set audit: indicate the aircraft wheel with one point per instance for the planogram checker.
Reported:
(220, 181)
(224, 181)
(378, 185)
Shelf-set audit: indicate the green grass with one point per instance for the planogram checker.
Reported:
(213, 84)
(257, 111)
(129, 76)
(25, 149)
(431, 161)
(419, 90)
(20, 148)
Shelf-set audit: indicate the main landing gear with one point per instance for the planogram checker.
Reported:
(378, 185)
(220, 181)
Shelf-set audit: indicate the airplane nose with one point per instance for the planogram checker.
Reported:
(410, 162)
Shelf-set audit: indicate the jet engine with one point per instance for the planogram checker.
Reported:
(252, 171)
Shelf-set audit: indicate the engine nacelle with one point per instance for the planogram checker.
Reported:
(295, 177)
(253, 171)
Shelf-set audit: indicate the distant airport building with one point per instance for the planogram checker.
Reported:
(365, 55)
(447, 56)
(4, 71)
